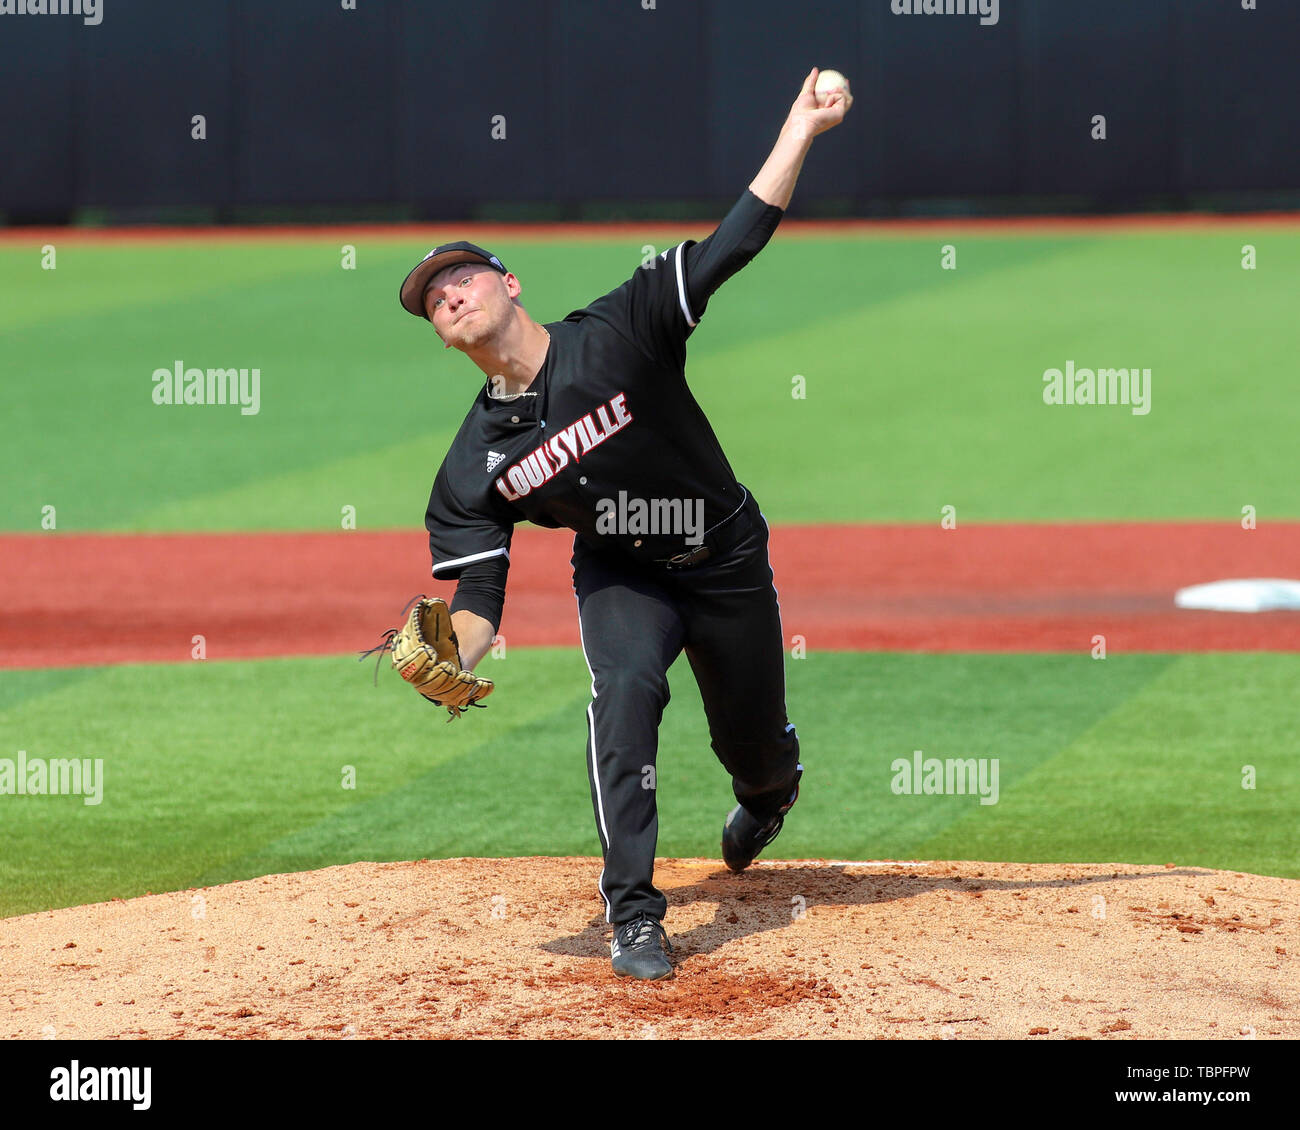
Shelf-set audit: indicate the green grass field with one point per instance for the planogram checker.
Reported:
(924, 386)
(1138, 759)
(923, 390)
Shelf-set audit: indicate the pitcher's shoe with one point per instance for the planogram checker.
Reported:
(744, 835)
(638, 949)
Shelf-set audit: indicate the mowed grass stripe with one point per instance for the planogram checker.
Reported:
(217, 771)
(938, 394)
(343, 372)
(205, 762)
(1196, 767)
(923, 385)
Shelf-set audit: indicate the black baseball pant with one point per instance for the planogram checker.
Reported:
(635, 620)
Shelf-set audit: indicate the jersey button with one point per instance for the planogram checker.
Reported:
(514, 419)
(637, 543)
(582, 481)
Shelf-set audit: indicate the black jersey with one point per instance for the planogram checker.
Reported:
(612, 422)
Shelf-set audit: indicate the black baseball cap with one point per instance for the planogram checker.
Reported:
(448, 255)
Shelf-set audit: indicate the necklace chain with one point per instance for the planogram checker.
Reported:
(514, 395)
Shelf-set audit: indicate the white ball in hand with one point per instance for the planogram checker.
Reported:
(827, 83)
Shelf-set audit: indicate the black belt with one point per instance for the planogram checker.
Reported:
(717, 539)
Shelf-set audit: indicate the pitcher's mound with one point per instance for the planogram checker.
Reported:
(519, 947)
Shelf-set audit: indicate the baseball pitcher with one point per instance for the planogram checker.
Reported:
(589, 424)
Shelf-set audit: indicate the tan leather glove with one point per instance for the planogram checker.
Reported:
(426, 654)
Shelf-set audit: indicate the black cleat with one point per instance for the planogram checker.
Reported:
(744, 836)
(638, 949)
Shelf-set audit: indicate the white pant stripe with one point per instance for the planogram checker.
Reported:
(595, 770)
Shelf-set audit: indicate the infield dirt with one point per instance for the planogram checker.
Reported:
(139, 597)
(480, 948)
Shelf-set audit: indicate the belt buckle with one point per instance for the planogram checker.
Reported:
(694, 557)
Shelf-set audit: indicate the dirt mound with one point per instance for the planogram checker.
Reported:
(518, 947)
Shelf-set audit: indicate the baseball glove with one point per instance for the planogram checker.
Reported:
(426, 654)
